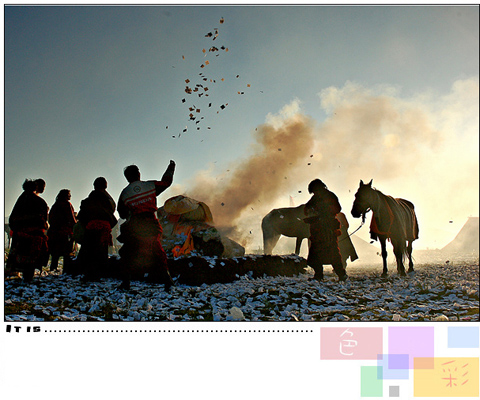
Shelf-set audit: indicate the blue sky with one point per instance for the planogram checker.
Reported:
(386, 92)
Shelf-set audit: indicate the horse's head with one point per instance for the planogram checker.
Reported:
(363, 199)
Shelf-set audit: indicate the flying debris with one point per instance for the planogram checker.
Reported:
(197, 88)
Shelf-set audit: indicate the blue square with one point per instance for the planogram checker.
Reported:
(393, 366)
(463, 337)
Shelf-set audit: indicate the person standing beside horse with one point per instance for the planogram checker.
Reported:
(142, 252)
(28, 222)
(60, 233)
(97, 216)
(321, 210)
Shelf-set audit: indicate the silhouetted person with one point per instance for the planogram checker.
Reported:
(141, 233)
(60, 233)
(39, 186)
(97, 216)
(321, 210)
(28, 222)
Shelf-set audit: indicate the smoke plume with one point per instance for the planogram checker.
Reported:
(280, 146)
(422, 148)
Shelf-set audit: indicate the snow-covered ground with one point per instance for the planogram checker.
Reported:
(435, 292)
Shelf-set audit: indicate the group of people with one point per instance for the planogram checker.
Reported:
(38, 232)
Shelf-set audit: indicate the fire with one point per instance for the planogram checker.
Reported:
(187, 246)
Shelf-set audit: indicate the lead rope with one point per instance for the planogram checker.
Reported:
(356, 230)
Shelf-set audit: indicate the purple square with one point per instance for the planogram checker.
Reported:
(394, 366)
(411, 341)
(398, 361)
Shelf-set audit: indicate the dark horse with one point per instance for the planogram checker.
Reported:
(392, 219)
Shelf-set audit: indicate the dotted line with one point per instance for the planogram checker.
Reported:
(178, 331)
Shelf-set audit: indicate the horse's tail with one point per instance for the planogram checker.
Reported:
(412, 222)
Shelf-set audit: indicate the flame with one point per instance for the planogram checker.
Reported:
(187, 246)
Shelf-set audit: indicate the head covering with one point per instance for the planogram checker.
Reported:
(315, 185)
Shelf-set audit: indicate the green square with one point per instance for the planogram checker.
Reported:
(371, 381)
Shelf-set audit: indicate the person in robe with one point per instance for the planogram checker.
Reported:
(28, 223)
(142, 252)
(321, 211)
(96, 215)
(60, 233)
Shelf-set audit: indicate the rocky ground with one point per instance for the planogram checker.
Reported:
(437, 291)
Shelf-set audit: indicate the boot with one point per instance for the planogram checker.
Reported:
(343, 277)
(318, 274)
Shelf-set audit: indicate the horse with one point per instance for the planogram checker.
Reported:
(393, 219)
(289, 222)
(284, 221)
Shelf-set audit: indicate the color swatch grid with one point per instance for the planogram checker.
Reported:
(411, 355)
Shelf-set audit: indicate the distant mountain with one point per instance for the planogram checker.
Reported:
(467, 240)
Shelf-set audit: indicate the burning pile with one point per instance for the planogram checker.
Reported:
(188, 230)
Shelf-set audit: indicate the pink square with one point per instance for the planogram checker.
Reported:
(351, 343)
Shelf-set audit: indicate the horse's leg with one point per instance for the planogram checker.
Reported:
(298, 244)
(269, 243)
(384, 255)
(399, 251)
(409, 253)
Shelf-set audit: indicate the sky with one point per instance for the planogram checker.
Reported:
(251, 102)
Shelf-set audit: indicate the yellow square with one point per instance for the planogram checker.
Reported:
(448, 377)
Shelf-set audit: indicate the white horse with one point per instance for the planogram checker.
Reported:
(289, 222)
